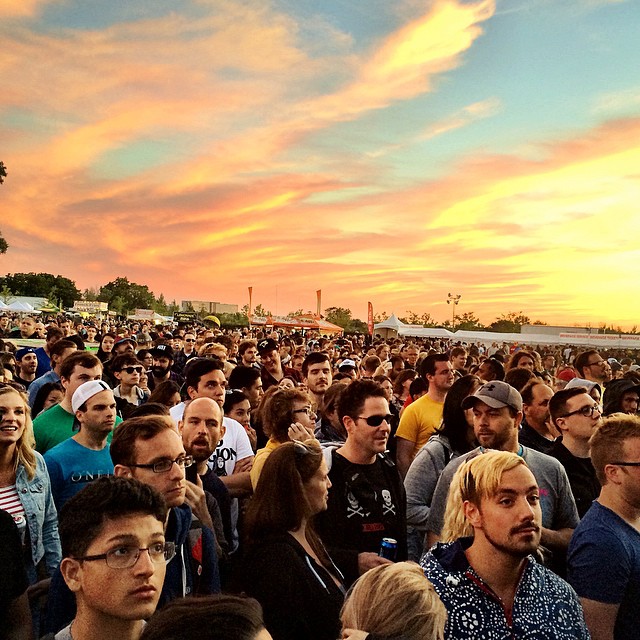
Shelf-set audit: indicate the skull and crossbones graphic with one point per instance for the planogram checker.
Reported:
(388, 506)
(354, 508)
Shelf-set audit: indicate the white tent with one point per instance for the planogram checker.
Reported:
(393, 326)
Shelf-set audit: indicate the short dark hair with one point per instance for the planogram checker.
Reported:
(428, 366)
(315, 357)
(150, 409)
(457, 351)
(123, 444)
(58, 348)
(558, 402)
(198, 367)
(518, 378)
(527, 391)
(79, 359)
(232, 398)
(496, 367)
(106, 498)
(208, 618)
(243, 377)
(246, 344)
(163, 392)
(54, 332)
(355, 395)
(371, 363)
(124, 360)
(582, 360)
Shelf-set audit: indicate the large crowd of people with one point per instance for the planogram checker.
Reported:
(179, 481)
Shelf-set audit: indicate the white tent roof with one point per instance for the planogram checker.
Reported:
(414, 330)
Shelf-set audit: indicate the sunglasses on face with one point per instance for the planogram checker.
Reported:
(131, 370)
(376, 420)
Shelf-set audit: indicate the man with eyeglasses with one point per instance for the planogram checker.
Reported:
(149, 449)
(84, 457)
(604, 554)
(367, 501)
(576, 415)
(114, 558)
(590, 365)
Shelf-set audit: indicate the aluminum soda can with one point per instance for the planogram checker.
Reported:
(388, 549)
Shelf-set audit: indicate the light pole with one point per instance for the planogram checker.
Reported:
(453, 299)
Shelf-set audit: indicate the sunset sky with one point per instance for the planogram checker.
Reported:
(383, 150)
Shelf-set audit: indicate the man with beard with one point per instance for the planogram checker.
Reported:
(161, 368)
(27, 362)
(316, 374)
(490, 583)
(202, 429)
(497, 414)
(248, 354)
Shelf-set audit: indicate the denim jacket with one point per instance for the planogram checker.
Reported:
(42, 517)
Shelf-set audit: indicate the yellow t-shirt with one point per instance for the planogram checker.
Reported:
(260, 459)
(419, 420)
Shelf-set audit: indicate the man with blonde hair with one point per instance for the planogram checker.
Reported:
(489, 581)
(604, 554)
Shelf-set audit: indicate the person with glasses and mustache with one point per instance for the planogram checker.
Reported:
(367, 501)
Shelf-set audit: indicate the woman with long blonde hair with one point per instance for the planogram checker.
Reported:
(25, 490)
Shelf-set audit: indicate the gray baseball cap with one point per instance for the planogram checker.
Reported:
(496, 394)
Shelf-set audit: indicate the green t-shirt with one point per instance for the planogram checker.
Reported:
(55, 425)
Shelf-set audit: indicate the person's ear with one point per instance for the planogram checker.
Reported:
(71, 571)
(122, 471)
(472, 514)
(349, 423)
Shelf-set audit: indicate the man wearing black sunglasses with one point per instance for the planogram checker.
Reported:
(127, 369)
(366, 500)
(604, 554)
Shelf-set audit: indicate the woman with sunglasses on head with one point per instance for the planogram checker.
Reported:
(285, 415)
(286, 567)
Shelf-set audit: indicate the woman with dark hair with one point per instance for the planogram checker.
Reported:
(220, 617)
(49, 394)
(144, 355)
(238, 407)
(521, 359)
(331, 428)
(286, 414)
(166, 393)
(105, 350)
(286, 568)
(451, 439)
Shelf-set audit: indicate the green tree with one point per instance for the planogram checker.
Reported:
(378, 317)
(6, 295)
(233, 320)
(42, 285)
(124, 296)
(3, 172)
(91, 294)
(342, 317)
(468, 321)
(509, 322)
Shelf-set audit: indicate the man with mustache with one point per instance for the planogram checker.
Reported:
(487, 577)
(497, 414)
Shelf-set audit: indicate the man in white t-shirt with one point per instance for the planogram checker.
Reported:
(233, 458)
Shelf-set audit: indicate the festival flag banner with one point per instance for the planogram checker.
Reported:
(370, 318)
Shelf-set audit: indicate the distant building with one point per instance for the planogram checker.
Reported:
(212, 308)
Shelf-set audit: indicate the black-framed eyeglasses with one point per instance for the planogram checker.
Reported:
(586, 411)
(189, 339)
(626, 464)
(164, 465)
(376, 420)
(131, 370)
(308, 410)
(126, 556)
